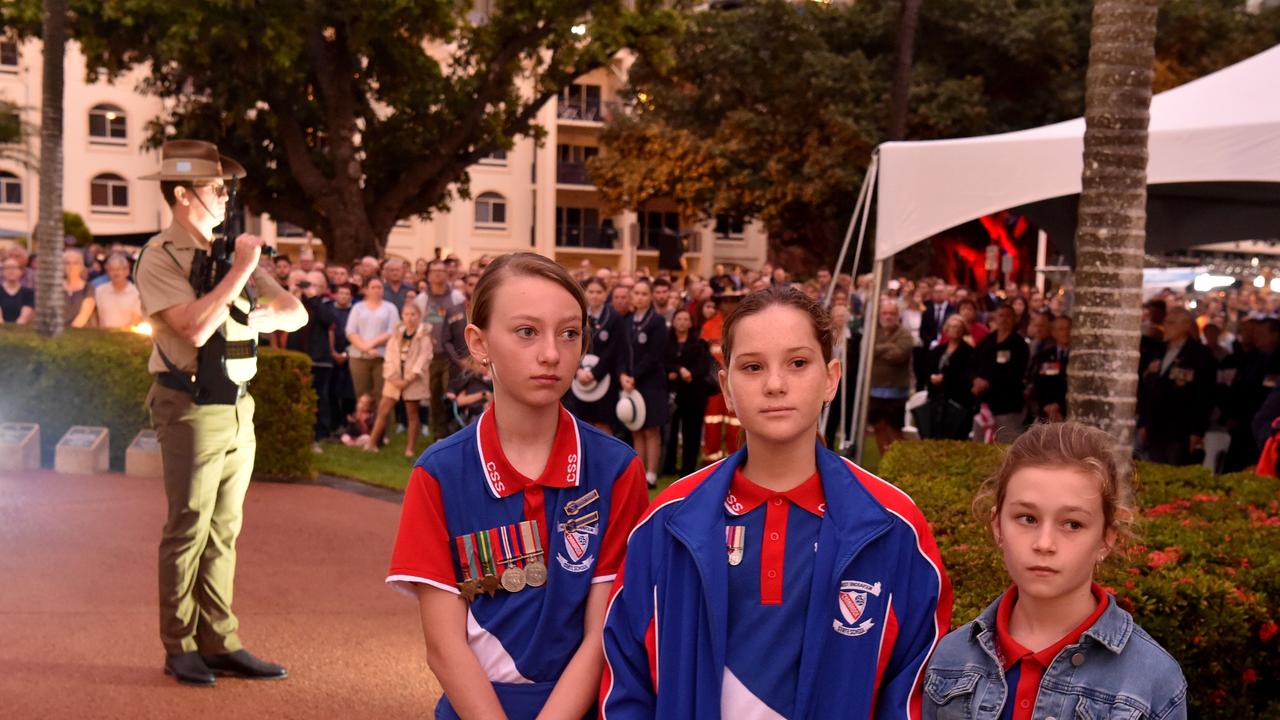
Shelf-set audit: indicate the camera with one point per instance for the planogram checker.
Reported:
(303, 284)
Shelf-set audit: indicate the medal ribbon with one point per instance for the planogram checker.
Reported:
(486, 553)
(500, 553)
(466, 551)
(511, 545)
(529, 530)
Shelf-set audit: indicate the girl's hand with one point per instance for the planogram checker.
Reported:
(584, 376)
(628, 382)
(685, 374)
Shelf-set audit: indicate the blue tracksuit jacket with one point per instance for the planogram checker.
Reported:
(666, 628)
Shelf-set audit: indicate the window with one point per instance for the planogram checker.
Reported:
(107, 125)
(653, 225)
(580, 102)
(572, 166)
(10, 190)
(728, 226)
(497, 157)
(491, 210)
(8, 55)
(109, 193)
(581, 227)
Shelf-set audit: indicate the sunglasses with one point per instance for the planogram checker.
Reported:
(219, 190)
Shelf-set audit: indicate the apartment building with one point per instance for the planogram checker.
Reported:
(533, 197)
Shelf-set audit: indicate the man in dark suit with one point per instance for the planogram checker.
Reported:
(1175, 395)
(936, 311)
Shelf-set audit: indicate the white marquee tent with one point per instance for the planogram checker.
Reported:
(1213, 175)
(1215, 142)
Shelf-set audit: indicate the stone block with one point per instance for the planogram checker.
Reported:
(19, 447)
(83, 450)
(142, 458)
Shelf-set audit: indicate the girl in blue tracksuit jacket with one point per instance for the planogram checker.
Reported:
(783, 581)
(1055, 644)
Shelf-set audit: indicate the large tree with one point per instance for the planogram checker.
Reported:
(49, 232)
(351, 115)
(1112, 232)
(770, 112)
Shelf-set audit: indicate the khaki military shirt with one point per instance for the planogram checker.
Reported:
(163, 276)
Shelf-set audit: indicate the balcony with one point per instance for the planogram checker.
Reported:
(586, 236)
(650, 238)
(568, 173)
(578, 110)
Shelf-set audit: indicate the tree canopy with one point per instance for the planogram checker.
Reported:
(351, 115)
(771, 112)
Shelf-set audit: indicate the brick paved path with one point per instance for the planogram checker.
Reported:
(78, 619)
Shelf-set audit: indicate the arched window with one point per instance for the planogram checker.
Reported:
(491, 210)
(10, 190)
(109, 193)
(107, 125)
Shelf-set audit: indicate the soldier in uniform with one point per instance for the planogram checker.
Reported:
(204, 354)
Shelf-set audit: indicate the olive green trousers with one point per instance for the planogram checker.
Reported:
(207, 452)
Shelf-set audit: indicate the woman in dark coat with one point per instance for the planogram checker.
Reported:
(646, 334)
(950, 405)
(607, 344)
(688, 362)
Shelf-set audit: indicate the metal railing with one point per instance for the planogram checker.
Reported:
(586, 236)
(572, 173)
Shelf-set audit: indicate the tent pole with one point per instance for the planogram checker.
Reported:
(1042, 254)
(864, 366)
(860, 210)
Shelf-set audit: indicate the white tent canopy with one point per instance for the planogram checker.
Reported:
(1214, 167)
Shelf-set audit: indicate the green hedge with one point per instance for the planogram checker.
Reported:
(98, 377)
(1203, 578)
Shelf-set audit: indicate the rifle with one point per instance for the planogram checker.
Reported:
(208, 268)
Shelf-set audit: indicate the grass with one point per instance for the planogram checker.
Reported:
(389, 468)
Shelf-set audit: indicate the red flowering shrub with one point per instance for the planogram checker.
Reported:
(1203, 578)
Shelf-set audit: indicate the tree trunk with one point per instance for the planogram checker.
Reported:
(1103, 378)
(49, 230)
(908, 19)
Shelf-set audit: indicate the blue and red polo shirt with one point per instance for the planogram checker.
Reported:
(465, 484)
(769, 592)
(1023, 669)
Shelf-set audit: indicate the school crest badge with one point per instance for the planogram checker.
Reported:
(852, 600)
(577, 557)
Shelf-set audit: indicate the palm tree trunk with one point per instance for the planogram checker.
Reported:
(49, 232)
(1111, 235)
(900, 93)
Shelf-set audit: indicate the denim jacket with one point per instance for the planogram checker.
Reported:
(1115, 671)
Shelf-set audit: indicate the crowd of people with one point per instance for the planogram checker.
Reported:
(951, 361)
(97, 289)
(986, 366)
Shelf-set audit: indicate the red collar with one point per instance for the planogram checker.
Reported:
(504, 480)
(745, 496)
(1012, 651)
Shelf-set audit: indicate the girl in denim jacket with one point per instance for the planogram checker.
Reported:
(1055, 645)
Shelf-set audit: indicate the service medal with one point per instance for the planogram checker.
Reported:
(489, 583)
(734, 540)
(513, 577)
(535, 570)
(469, 585)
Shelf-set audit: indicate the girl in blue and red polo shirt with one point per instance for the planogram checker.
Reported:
(783, 581)
(514, 528)
(1055, 644)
